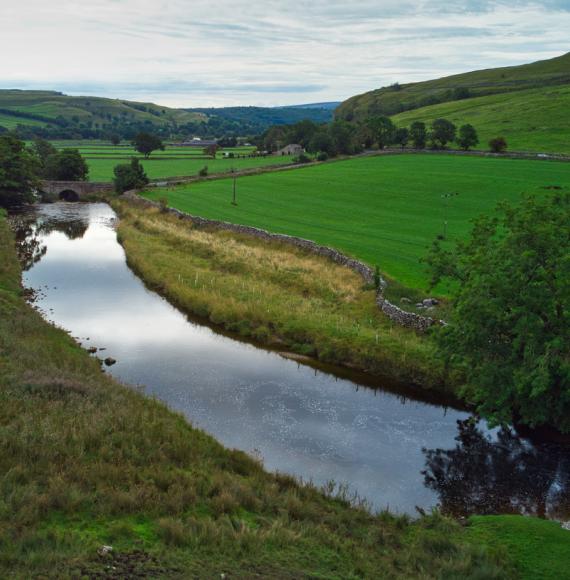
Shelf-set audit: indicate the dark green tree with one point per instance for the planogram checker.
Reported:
(467, 137)
(498, 145)
(342, 134)
(66, 165)
(43, 149)
(115, 139)
(510, 326)
(418, 134)
(383, 129)
(129, 176)
(146, 143)
(322, 142)
(401, 137)
(442, 133)
(18, 171)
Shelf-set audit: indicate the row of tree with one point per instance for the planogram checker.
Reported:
(344, 138)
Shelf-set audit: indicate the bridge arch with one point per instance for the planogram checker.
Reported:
(68, 195)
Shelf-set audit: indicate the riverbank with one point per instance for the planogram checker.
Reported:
(281, 296)
(87, 462)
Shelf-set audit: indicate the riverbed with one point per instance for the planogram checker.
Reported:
(388, 444)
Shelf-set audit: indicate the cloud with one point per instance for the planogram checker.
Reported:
(218, 52)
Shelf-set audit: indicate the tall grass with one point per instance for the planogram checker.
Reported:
(275, 293)
(86, 462)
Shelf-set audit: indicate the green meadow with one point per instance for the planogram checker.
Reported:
(385, 210)
(531, 120)
(172, 162)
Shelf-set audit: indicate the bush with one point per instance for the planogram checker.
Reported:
(18, 171)
(302, 159)
(129, 176)
(322, 156)
(66, 165)
(203, 172)
(498, 145)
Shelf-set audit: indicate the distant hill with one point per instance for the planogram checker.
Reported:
(55, 115)
(399, 98)
(56, 112)
(255, 120)
(332, 105)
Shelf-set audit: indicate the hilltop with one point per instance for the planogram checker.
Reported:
(398, 98)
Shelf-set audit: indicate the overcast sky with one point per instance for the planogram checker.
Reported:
(264, 52)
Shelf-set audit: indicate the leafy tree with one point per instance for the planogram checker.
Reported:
(18, 171)
(66, 165)
(467, 137)
(498, 145)
(115, 139)
(211, 150)
(129, 176)
(342, 134)
(418, 134)
(146, 143)
(383, 129)
(322, 142)
(442, 133)
(510, 326)
(302, 132)
(43, 149)
(401, 137)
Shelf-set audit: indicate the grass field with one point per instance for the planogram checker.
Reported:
(540, 548)
(532, 120)
(88, 462)
(172, 162)
(158, 167)
(384, 210)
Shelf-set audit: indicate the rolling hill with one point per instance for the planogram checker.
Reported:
(399, 98)
(49, 106)
(55, 115)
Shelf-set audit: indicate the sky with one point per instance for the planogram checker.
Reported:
(198, 53)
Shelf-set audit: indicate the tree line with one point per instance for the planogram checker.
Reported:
(344, 138)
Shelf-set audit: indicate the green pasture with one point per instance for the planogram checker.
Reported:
(9, 122)
(159, 167)
(385, 210)
(531, 120)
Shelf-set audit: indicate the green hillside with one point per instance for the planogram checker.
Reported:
(531, 120)
(399, 98)
(51, 104)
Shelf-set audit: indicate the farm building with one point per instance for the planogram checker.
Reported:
(291, 149)
(197, 142)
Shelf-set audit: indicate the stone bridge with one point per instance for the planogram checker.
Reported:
(74, 190)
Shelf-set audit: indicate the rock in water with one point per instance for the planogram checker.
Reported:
(109, 361)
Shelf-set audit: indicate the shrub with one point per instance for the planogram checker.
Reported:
(322, 156)
(203, 172)
(302, 159)
(498, 145)
(129, 176)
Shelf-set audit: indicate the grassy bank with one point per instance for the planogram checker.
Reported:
(87, 462)
(383, 210)
(541, 548)
(275, 293)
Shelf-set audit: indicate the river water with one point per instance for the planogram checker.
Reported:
(392, 448)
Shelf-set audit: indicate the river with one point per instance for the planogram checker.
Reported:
(387, 444)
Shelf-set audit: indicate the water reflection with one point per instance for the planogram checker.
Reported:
(500, 474)
(392, 448)
(30, 226)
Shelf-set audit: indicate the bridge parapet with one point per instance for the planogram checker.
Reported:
(74, 190)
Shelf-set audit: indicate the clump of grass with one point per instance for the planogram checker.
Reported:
(275, 293)
(86, 461)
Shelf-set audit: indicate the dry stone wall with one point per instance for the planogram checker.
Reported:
(393, 312)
